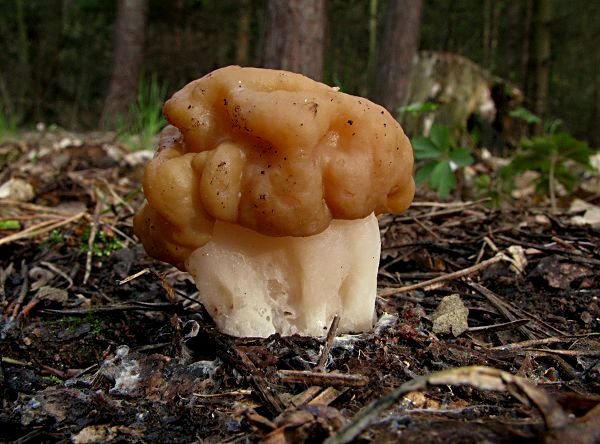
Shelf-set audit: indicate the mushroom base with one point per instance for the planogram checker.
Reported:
(256, 285)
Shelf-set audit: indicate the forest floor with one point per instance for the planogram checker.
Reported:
(100, 343)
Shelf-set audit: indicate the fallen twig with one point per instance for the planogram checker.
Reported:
(171, 294)
(508, 309)
(417, 275)
(322, 379)
(4, 274)
(500, 305)
(270, 396)
(91, 239)
(35, 208)
(58, 271)
(10, 361)
(110, 309)
(40, 228)
(499, 327)
(311, 395)
(241, 392)
(128, 239)
(592, 353)
(426, 228)
(33, 302)
(116, 196)
(484, 378)
(486, 241)
(305, 396)
(544, 341)
(433, 204)
(446, 277)
(425, 243)
(23, 292)
(575, 255)
(454, 207)
(134, 276)
(328, 343)
(327, 396)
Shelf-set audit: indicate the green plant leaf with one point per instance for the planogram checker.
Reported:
(570, 148)
(482, 181)
(566, 176)
(144, 119)
(423, 174)
(424, 148)
(442, 178)
(542, 145)
(525, 115)
(440, 136)
(461, 157)
(525, 162)
(9, 224)
(418, 108)
(551, 126)
(560, 153)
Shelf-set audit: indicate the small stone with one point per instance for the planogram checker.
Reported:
(53, 294)
(451, 316)
(586, 317)
(17, 189)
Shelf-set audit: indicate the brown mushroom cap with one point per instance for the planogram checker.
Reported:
(272, 151)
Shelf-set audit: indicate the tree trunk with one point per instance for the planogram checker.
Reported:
(372, 43)
(47, 55)
(23, 66)
(243, 32)
(494, 35)
(449, 44)
(294, 36)
(594, 117)
(487, 19)
(130, 33)
(542, 57)
(398, 46)
(491, 22)
(527, 65)
(514, 18)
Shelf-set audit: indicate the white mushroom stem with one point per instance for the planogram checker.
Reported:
(256, 285)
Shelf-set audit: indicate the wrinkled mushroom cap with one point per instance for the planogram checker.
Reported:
(272, 151)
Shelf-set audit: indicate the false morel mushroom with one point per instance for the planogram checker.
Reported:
(265, 189)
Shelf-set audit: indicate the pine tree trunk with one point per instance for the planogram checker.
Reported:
(243, 32)
(398, 46)
(542, 57)
(294, 36)
(514, 18)
(495, 24)
(594, 117)
(130, 33)
(47, 54)
(487, 18)
(372, 44)
(23, 65)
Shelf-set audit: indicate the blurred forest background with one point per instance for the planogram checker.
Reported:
(80, 64)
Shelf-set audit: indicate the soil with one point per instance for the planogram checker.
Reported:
(108, 345)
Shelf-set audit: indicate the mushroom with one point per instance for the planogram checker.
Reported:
(265, 188)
